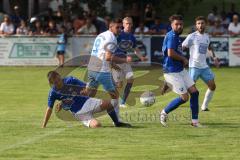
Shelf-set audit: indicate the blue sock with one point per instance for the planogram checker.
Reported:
(113, 116)
(194, 104)
(126, 92)
(174, 104)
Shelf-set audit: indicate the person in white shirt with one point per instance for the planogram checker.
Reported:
(22, 29)
(88, 28)
(99, 68)
(6, 27)
(198, 44)
(234, 27)
(142, 29)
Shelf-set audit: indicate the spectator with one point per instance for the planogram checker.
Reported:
(149, 15)
(225, 20)
(67, 23)
(88, 28)
(54, 4)
(135, 13)
(78, 22)
(212, 15)
(6, 27)
(158, 27)
(37, 28)
(22, 29)
(107, 21)
(217, 29)
(98, 22)
(232, 12)
(234, 27)
(142, 29)
(51, 29)
(17, 17)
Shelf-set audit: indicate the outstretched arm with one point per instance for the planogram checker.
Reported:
(47, 117)
(137, 52)
(213, 56)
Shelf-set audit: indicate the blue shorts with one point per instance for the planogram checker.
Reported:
(205, 74)
(104, 78)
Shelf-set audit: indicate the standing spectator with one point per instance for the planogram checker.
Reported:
(158, 27)
(51, 29)
(61, 47)
(37, 28)
(98, 22)
(232, 12)
(234, 27)
(149, 15)
(22, 29)
(17, 17)
(6, 27)
(141, 29)
(217, 29)
(225, 20)
(212, 15)
(54, 4)
(88, 28)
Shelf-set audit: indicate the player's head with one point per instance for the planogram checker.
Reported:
(115, 27)
(176, 23)
(127, 24)
(200, 22)
(54, 79)
(235, 19)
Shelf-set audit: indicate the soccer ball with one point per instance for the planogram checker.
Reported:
(147, 98)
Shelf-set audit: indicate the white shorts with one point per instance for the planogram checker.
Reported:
(91, 106)
(125, 72)
(179, 82)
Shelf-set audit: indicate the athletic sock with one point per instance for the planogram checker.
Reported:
(194, 105)
(126, 92)
(173, 105)
(207, 98)
(114, 113)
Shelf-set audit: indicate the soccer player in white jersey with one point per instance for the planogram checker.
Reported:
(99, 70)
(198, 44)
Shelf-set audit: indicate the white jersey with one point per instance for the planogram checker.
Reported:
(198, 46)
(104, 41)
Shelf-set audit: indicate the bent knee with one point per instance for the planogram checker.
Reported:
(94, 124)
(185, 97)
(212, 87)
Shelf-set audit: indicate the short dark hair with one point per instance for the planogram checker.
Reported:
(175, 17)
(198, 18)
(52, 74)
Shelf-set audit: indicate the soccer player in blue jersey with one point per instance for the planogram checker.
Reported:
(61, 46)
(99, 70)
(199, 45)
(72, 94)
(126, 42)
(175, 75)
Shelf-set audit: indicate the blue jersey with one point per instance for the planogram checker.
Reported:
(69, 95)
(126, 41)
(172, 41)
(61, 43)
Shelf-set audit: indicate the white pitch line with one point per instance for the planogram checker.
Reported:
(32, 140)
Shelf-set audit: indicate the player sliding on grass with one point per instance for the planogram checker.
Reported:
(175, 74)
(71, 92)
(126, 42)
(198, 43)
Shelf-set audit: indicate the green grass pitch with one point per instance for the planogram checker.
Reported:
(23, 100)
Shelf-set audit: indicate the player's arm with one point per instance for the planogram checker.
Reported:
(137, 53)
(47, 116)
(115, 59)
(213, 56)
(175, 56)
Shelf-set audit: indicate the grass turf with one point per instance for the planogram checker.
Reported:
(23, 94)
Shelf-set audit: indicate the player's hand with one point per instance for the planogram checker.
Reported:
(185, 62)
(129, 59)
(58, 107)
(216, 62)
(144, 59)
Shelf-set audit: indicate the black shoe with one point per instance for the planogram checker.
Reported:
(124, 125)
(205, 110)
(164, 88)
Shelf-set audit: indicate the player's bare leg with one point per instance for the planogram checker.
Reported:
(126, 92)
(208, 95)
(164, 88)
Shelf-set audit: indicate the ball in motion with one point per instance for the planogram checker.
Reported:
(147, 98)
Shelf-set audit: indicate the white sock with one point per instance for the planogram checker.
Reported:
(194, 121)
(207, 98)
(115, 104)
(163, 112)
